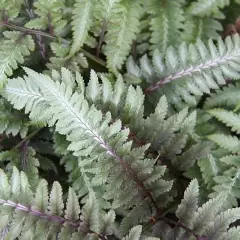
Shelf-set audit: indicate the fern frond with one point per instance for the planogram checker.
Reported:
(189, 157)
(124, 102)
(232, 234)
(92, 134)
(122, 25)
(50, 16)
(14, 47)
(202, 61)
(41, 213)
(81, 23)
(168, 136)
(75, 64)
(227, 96)
(231, 160)
(27, 96)
(227, 117)
(135, 216)
(189, 203)
(201, 28)
(207, 7)
(167, 16)
(81, 173)
(228, 142)
(193, 70)
(11, 121)
(24, 159)
(209, 221)
(209, 168)
(10, 8)
(222, 222)
(228, 183)
(134, 234)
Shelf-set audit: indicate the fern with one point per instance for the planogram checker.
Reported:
(169, 135)
(210, 169)
(228, 183)
(227, 117)
(226, 179)
(201, 28)
(94, 113)
(11, 56)
(227, 96)
(49, 16)
(205, 8)
(24, 159)
(209, 220)
(97, 138)
(205, 69)
(29, 213)
(42, 213)
(123, 27)
(10, 8)
(12, 122)
(82, 19)
(189, 203)
(167, 16)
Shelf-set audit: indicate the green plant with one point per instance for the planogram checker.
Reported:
(130, 148)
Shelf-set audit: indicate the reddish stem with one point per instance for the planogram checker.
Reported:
(49, 217)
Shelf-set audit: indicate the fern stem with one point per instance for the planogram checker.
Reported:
(27, 138)
(49, 217)
(181, 225)
(44, 34)
(155, 218)
(104, 28)
(39, 38)
(191, 70)
(132, 174)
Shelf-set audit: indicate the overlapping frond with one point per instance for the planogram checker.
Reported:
(227, 96)
(43, 214)
(227, 178)
(10, 8)
(207, 7)
(192, 70)
(14, 47)
(11, 121)
(167, 135)
(122, 26)
(82, 22)
(49, 16)
(123, 149)
(28, 96)
(229, 118)
(92, 134)
(201, 28)
(166, 23)
(210, 169)
(189, 203)
(210, 221)
(24, 159)
(228, 183)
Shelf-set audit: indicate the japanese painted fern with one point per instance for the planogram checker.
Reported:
(119, 119)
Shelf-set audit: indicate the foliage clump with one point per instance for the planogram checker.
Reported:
(119, 119)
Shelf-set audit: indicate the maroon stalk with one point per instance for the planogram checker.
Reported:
(133, 175)
(104, 28)
(188, 72)
(48, 217)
